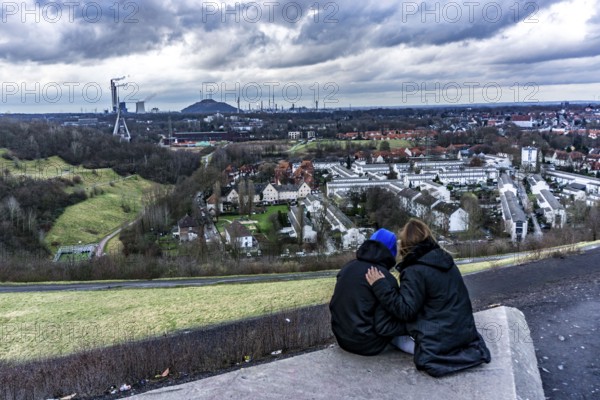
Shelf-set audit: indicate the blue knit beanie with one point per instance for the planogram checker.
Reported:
(387, 238)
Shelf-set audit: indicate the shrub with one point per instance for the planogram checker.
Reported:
(192, 353)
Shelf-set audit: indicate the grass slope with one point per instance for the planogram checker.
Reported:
(304, 148)
(98, 216)
(37, 325)
(48, 168)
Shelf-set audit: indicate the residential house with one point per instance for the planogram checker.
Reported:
(576, 191)
(450, 217)
(522, 121)
(515, 220)
(537, 184)
(302, 224)
(294, 135)
(435, 189)
(238, 236)
(270, 195)
(554, 212)
(188, 229)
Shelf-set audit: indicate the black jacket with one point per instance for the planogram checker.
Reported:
(360, 324)
(434, 302)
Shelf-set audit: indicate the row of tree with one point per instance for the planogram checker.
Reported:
(93, 149)
(28, 209)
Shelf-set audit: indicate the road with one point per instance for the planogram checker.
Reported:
(537, 232)
(52, 287)
(102, 244)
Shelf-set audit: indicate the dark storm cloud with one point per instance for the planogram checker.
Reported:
(370, 25)
(339, 29)
(87, 30)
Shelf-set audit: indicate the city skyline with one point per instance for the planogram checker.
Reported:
(293, 53)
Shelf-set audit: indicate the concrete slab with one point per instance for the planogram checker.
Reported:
(336, 374)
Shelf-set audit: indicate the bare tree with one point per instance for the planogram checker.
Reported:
(250, 193)
(470, 204)
(300, 219)
(593, 221)
(242, 196)
(319, 220)
(14, 208)
(217, 197)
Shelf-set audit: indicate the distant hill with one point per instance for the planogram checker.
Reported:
(209, 106)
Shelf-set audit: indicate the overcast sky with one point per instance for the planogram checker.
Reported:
(60, 56)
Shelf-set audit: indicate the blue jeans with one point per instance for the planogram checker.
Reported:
(404, 343)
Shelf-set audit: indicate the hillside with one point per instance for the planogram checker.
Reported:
(111, 204)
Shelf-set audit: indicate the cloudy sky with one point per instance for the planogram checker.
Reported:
(60, 56)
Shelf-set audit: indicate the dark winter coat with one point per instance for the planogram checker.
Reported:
(360, 324)
(434, 302)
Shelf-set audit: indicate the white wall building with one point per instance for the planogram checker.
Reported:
(515, 221)
(529, 158)
(238, 235)
(554, 212)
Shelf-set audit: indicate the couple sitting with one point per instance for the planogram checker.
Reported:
(429, 314)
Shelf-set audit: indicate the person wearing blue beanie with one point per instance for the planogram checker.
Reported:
(358, 321)
(387, 238)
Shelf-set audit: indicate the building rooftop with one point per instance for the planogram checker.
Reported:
(236, 229)
(551, 200)
(514, 208)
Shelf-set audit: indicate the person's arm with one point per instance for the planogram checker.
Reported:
(386, 324)
(405, 303)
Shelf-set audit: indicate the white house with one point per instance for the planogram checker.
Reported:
(237, 235)
(450, 217)
(270, 195)
(522, 121)
(188, 229)
(554, 212)
(436, 190)
(515, 221)
(576, 190)
(537, 184)
(506, 184)
(294, 135)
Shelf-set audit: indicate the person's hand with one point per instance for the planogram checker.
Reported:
(373, 275)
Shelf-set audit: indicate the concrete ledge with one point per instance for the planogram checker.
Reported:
(335, 374)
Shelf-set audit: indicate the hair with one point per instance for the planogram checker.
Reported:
(414, 232)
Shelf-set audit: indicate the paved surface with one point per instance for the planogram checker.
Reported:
(336, 374)
(163, 283)
(561, 302)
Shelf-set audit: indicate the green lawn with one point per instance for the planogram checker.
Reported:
(56, 167)
(91, 220)
(74, 257)
(50, 324)
(301, 149)
(262, 220)
(47, 168)
(399, 143)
